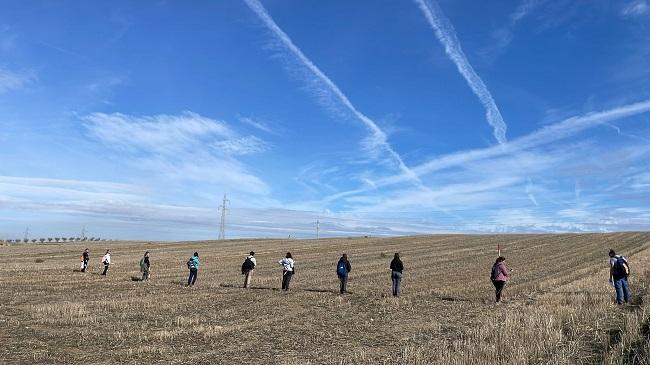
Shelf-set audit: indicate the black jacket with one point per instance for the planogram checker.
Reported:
(348, 267)
(396, 265)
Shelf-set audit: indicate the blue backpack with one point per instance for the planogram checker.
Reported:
(342, 269)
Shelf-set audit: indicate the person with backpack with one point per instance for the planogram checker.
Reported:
(343, 267)
(288, 269)
(396, 268)
(145, 266)
(106, 260)
(247, 268)
(499, 275)
(619, 270)
(193, 265)
(85, 258)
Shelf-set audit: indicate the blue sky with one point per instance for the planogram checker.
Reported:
(132, 119)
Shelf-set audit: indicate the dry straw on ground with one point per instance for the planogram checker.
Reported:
(558, 308)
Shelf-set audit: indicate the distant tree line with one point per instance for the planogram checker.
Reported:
(56, 239)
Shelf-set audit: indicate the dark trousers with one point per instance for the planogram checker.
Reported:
(286, 278)
(396, 276)
(344, 283)
(192, 279)
(105, 269)
(623, 294)
(498, 286)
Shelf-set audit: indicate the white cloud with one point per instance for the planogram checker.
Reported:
(10, 80)
(447, 36)
(641, 182)
(165, 134)
(87, 185)
(105, 83)
(524, 9)
(636, 8)
(241, 146)
(221, 173)
(181, 147)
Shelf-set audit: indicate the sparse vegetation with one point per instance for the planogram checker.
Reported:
(558, 308)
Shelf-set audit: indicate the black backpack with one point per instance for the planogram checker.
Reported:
(494, 272)
(621, 267)
(247, 265)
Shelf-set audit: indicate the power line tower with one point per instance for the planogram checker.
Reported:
(26, 234)
(222, 227)
(317, 228)
(83, 232)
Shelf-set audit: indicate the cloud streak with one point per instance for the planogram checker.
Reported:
(10, 80)
(549, 134)
(636, 8)
(447, 36)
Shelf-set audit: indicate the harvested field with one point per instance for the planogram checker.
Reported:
(557, 309)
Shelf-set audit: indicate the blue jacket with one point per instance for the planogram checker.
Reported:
(196, 261)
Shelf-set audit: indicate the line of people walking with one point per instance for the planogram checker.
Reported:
(619, 270)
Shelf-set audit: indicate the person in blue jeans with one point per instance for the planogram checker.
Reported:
(343, 267)
(193, 265)
(619, 270)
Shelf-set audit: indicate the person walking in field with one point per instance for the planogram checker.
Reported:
(85, 257)
(396, 268)
(343, 267)
(499, 275)
(619, 270)
(288, 269)
(145, 266)
(193, 265)
(247, 268)
(106, 260)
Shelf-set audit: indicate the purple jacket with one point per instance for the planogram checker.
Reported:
(500, 272)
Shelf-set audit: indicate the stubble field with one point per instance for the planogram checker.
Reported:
(558, 308)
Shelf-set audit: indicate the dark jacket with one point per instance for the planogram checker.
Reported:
(348, 267)
(396, 265)
(86, 256)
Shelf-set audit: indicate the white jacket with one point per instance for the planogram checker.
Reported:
(107, 258)
(287, 263)
(252, 260)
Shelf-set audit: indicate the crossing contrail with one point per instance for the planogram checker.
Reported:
(378, 139)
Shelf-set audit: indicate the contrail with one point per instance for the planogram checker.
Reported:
(529, 192)
(548, 134)
(378, 137)
(447, 36)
